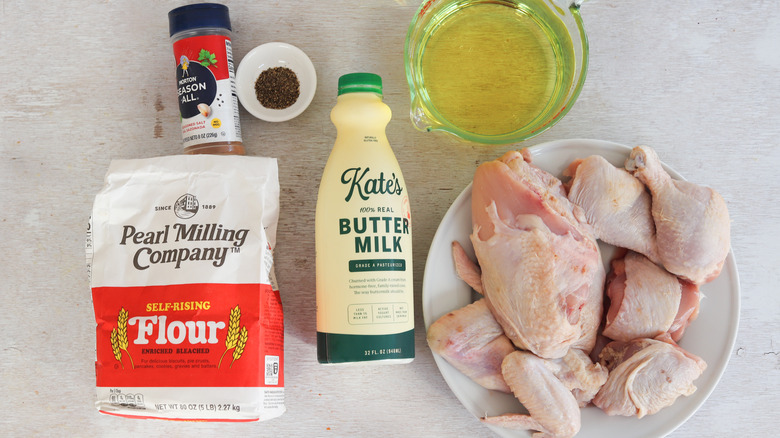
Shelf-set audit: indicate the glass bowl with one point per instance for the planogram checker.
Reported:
(494, 71)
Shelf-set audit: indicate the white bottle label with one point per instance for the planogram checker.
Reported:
(364, 252)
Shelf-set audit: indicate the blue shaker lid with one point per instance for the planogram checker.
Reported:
(198, 15)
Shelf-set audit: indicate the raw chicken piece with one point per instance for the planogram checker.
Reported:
(541, 269)
(646, 375)
(472, 341)
(579, 374)
(646, 300)
(592, 309)
(466, 269)
(553, 410)
(691, 221)
(688, 311)
(615, 203)
(469, 272)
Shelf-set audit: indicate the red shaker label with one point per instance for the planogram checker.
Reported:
(205, 82)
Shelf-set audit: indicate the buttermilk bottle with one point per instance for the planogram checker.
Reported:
(363, 236)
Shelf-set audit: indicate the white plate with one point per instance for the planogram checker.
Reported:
(271, 55)
(711, 336)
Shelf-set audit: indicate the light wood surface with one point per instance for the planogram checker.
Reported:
(84, 82)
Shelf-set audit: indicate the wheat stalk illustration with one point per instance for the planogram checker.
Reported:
(115, 347)
(121, 328)
(119, 338)
(240, 345)
(231, 340)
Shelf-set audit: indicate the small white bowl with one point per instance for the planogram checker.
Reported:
(271, 55)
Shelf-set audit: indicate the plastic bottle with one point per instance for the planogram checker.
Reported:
(205, 79)
(363, 236)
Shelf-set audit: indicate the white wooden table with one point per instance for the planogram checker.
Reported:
(83, 82)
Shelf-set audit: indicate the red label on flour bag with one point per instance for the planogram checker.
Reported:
(189, 319)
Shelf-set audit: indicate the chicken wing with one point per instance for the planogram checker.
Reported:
(552, 409)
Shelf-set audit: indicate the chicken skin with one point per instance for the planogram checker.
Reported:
(552, 390)
(646, 300)
(541, 270)
(646, 375)
(615, 203)
(466, 269)
(552, 409)
(691, 221)
(471, 340)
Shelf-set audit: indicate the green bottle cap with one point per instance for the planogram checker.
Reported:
(360, 83)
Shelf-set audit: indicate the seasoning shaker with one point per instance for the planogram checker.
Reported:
(202, 48)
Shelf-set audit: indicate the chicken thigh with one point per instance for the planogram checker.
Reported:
(691, 221)
(471, 340)
(646, 300)
(615, 203)
(541, 270)
(646, 375)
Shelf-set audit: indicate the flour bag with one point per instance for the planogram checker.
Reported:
(189, 317)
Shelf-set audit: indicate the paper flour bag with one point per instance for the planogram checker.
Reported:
(189, 317)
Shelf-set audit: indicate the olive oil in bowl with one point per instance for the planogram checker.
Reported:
(488, 70)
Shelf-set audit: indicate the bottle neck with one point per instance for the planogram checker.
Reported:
(360, 95)
(360, 112)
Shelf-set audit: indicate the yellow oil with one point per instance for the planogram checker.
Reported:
(492, 68)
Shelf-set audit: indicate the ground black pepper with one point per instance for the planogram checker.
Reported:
(277, 88)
